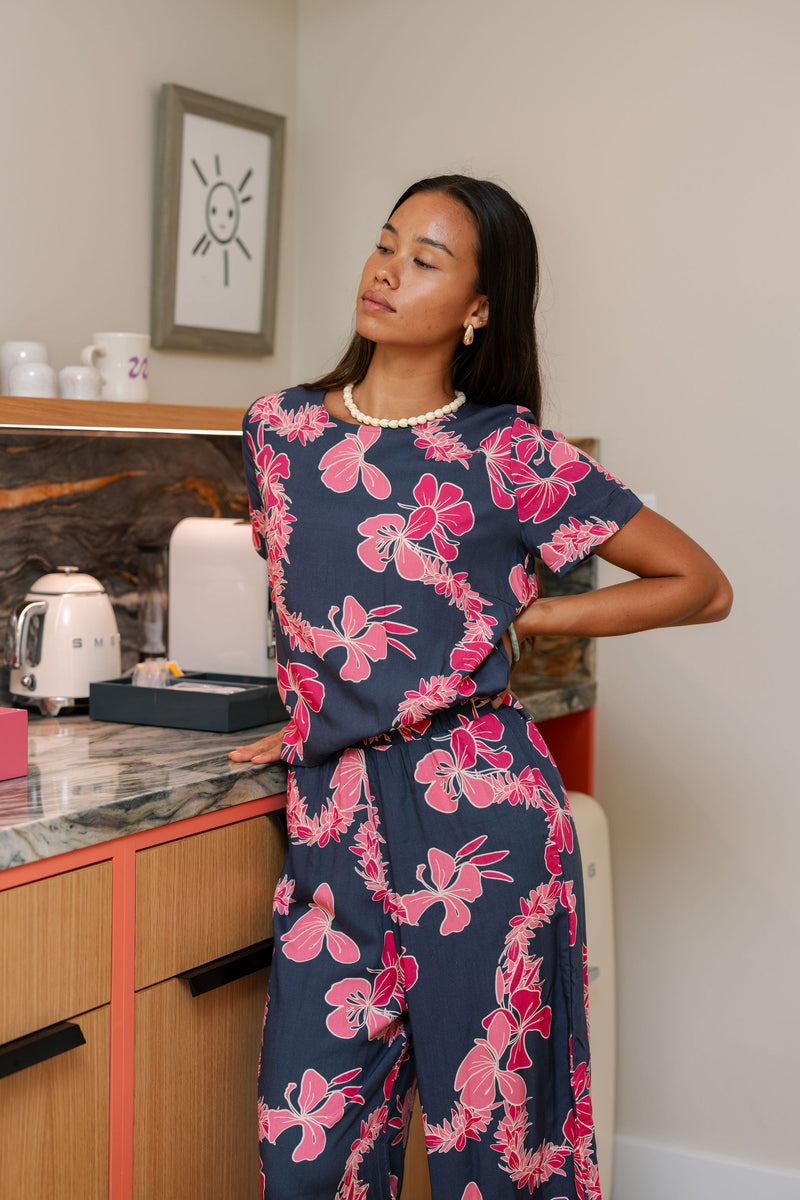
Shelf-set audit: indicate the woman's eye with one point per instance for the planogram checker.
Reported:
(420, 263)
(382, 249)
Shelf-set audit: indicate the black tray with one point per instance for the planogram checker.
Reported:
(259, 703)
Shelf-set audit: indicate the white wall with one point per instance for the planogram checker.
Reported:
(78, 93)
(655, 146)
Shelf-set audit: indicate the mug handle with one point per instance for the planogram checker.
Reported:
(89, 353)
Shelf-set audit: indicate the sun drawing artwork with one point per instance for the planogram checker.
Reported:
(222, 225)
(223, 210)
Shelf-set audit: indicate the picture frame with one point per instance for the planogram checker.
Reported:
(219, 178)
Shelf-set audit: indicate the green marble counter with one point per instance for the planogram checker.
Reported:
(91, 781)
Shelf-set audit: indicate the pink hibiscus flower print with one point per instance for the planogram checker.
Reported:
(540, 498)
(499, 452)
(258, 526)
(530, 1016)
(304, 683)
(437, 692)
(305, 423)
(465, 1124)
(390, 538)
(531, 443)
(466, 656)
(442, 445)
(270, 467)
(375, 1003)
(558, 820)
(455, 883)
(387, 540)
(283, 895)
(480, 1074)
(314, 929)
(319, 1106)
(344, 464)
(580, 1123)
(574, 540)
(363, 636)
(440, 508)
(524, 586)
(452, 774)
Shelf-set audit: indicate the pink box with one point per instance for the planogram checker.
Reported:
(13, 743)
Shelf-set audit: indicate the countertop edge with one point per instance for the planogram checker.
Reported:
(36, 841)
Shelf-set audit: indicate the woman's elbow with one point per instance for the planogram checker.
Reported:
(720, 602)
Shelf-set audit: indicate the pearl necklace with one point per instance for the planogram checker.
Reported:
(401, 422)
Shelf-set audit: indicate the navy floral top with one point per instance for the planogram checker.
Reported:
(398, 557)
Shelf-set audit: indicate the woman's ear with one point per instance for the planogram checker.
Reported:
(480, 313)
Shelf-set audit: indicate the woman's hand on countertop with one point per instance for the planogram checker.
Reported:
(265, 750)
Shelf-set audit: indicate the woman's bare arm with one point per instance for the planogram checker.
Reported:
(678, 584)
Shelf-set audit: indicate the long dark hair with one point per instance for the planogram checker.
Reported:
(502, 364)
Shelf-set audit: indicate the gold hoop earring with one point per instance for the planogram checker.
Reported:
(469, 334)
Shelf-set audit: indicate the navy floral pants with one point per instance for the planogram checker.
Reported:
(429, 933)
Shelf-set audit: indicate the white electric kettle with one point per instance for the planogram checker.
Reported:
(61, 637)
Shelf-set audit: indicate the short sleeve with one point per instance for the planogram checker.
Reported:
(567, 504)
(258, 515)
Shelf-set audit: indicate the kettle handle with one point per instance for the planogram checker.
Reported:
(18, 629)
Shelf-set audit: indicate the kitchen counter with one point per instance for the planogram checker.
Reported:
(92, 781)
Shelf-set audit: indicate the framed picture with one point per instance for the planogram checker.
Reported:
(218, 200)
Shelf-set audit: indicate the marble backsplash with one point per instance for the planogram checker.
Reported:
(90, 500)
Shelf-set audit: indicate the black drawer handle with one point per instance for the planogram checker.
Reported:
(225, 970)
(38, 1047)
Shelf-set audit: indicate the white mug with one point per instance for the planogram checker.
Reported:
(121, 359)
(32, 379)
(12, 353)
(80, 383)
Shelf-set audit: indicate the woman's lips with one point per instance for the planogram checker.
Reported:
(376, 302)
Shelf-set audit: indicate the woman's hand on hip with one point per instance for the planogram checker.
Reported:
(677, 584)
(265, 750)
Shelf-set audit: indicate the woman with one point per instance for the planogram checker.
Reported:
(429, 924)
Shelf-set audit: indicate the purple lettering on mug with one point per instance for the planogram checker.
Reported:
(144, 368)
(133, 371)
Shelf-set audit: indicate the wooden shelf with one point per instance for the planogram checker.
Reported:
(109, 416)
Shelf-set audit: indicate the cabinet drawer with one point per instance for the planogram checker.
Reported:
(55, 949)
(195, 1115)
(55, 1120)
(205, 896)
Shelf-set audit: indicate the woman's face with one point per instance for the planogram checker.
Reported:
(418, 286)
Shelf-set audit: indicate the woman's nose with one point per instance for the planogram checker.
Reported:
(385, 274)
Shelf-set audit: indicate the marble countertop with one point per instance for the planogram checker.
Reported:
(91, 781)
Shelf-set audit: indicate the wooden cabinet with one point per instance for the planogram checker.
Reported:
(55, 960)
(55, 949)
(202, 897)
(54, 1117)
(195, 1097)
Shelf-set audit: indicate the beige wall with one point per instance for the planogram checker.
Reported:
(78, 93)
(656, 148)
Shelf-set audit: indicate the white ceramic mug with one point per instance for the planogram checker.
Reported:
(121, 359)
(80, 383)
(32, 379)
(12, 353)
